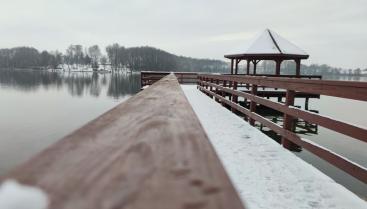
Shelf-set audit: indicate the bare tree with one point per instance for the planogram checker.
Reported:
(95, 54)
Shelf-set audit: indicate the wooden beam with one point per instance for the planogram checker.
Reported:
(232, 60)
(148, 152)
(298, 67)
(254, 62)
(248, 67)
(278, 64)
(343, 89)
(288, 120)
(236, 67)
(253, 103)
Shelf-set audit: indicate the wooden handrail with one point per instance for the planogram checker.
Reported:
(210, 84)
(148, 152)
(282, 76)
(327, 122)
(343, 89)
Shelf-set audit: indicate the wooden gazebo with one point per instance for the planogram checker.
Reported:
(268, 46)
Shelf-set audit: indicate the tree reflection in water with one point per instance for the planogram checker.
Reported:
(77, 83)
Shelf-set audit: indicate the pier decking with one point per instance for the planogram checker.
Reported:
(170, 148)
(148, 152)
(266, 175)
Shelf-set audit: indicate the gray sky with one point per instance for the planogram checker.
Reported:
(331, 31)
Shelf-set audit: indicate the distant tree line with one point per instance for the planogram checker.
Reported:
(288, 67)
(149, 58)
(28, 57)
(118, 57)
(141, 59)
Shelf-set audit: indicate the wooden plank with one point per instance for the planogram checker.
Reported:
(148, 152)
(343, 89)
(344, 164)
(288, 120)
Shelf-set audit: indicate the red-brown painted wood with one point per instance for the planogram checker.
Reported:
(353, 169)
(156, 156)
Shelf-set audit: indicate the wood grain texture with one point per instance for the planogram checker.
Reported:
(148, 152)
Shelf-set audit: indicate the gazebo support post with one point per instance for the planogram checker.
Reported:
(248, 73)
(255, 63)
(232, 66)
(235, 97)
(277, 66)
(236, 67)
(248, 67)
(298, 67)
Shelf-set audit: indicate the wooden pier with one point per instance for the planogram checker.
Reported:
(227, 90)
(148, 152)
(152, 152)
(210, 84)
(149, 77)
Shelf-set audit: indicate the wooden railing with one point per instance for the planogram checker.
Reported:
(284, 76)
(154, 156)
(219, 86)
(150, 77)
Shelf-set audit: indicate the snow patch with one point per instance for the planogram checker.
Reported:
(16, 196)
(264, 44)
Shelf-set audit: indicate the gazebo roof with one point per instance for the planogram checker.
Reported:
(269, 45)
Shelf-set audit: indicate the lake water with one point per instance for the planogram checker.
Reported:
(38, 107)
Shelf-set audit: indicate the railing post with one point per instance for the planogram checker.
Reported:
(198, 81)
(141, 80)
(288, 120)
(230, 86)
(223, 92)
(211, 81)
(216, 90)
(234, 97)
(206, 85)
(253, 104)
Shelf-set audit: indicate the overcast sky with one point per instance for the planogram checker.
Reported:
(331, 31)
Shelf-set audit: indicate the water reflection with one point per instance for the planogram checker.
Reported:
(77, 83)
(40, 107)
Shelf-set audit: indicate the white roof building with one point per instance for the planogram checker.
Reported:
(268, 46)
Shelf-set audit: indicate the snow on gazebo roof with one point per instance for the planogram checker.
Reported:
(269, 45)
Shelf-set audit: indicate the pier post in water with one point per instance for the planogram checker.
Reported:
(288, 120)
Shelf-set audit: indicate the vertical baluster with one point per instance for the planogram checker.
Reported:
(288, 120)
(223, 92)
(252, 103)
(216, 89)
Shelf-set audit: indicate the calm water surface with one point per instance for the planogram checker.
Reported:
(37, 108)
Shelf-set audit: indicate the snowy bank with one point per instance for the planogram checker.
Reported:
(265, 174)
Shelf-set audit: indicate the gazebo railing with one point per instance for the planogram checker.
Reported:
(219, 86)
